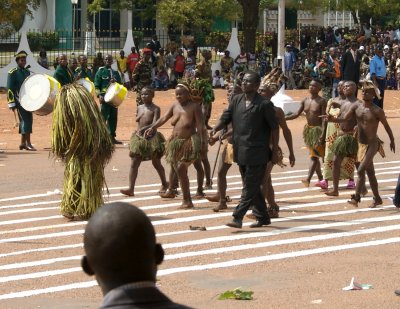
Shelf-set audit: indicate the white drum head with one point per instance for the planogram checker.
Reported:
(110, 93)
(85, 83)
(35, 92)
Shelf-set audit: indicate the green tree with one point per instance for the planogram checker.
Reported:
(13, 12)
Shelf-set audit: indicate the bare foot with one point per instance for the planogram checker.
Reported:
(213, 198)
(221, 206)
(68, 215)
(332, 193)
(305, 182)
(355, 199)
(163, 188)
(168, 194)
(208, 186)
(376, 202)
(127, 192)
(199, 195)
(186, 205)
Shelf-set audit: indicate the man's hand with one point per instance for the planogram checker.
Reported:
(292, 159)
(112, 80)
(212, 140)
(101, 99)
(274, 157)
(148, 132)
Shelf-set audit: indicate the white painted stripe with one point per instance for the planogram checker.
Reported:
(192, 181)
(177, 220)
(73, 246)
(212, 228)
(40, 262)
(42, 274)
(61, 288)
(231, 263)
(222, 239)
(29, 220)
(216, 239)
(278, 256)
(170, 205)
(219, 250)
(281, 242)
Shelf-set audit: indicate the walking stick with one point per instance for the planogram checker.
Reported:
(216, 159)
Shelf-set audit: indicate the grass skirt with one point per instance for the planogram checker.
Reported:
(146, 148)
(345, 146)
(182, 150)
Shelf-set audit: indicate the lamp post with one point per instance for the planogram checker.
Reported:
(74, 3)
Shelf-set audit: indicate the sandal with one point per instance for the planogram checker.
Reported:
(355, 199)
(273, 212)
(376, 202)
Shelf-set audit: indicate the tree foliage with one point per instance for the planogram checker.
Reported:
(12, 14)
(196, 14)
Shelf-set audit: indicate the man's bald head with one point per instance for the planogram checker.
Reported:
(120, 246)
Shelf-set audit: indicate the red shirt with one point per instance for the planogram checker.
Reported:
(179, 64)
(133, 58)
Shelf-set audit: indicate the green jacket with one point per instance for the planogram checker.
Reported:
(63, 75)
(84, 73)
(15, 79)
(103, 77)
(142, 73)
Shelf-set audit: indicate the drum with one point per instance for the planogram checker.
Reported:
(87, 83)
(115, 94)
(38, 94)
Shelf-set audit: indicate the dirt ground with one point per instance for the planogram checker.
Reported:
(303, 260)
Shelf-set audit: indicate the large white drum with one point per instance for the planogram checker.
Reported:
(87, 83)
(38, 93)
(115, 94)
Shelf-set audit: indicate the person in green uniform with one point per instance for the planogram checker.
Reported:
(83, 71)
(141, 75)
(227, 66)
(63, 74)
(103, 78)
(15, 79)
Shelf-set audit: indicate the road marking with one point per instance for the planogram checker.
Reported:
(231, 263)
(225, 239)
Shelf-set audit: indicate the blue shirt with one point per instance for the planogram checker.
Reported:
(289, 60)
(377, 66)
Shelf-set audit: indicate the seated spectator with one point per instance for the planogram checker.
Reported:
(161, 79)
(391, 83)
(42, 60)
(218, 80)
(121, 251)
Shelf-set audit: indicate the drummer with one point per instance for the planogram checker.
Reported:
(15, 79)
(63, 74)
(82, 71)
(103, 78)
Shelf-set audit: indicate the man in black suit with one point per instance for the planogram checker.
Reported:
(253, 120)
(350, 64)
(122, 253)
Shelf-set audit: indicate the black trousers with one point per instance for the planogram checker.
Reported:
(381, 86)
(252, 176)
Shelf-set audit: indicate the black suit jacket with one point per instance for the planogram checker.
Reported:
(252, 127)
(350, 70)
(138, 298)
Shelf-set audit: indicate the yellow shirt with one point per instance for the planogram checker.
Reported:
(122, 64)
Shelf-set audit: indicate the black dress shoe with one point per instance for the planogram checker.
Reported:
(22, 146)
(235, 223)
(30, 148)
(259, 223)
(116, 142)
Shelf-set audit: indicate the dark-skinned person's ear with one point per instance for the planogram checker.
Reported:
(86, 267)
(159, 254)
